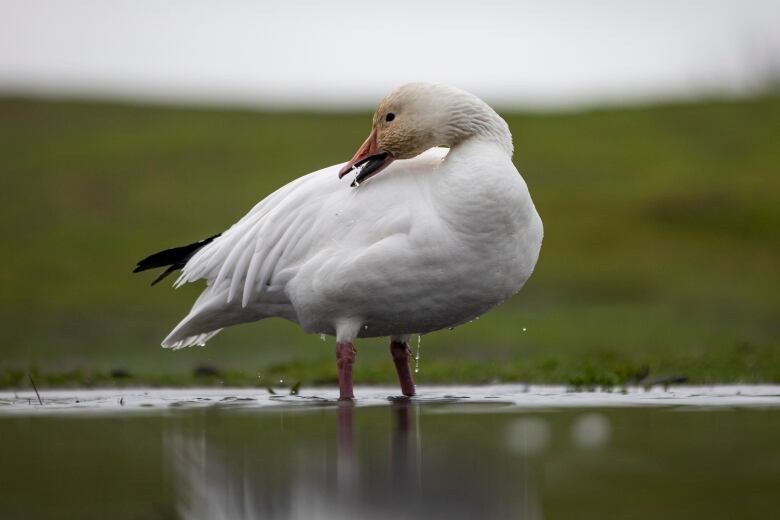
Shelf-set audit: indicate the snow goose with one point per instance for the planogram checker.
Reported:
(446, 232)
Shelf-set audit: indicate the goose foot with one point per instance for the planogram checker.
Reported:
(345, 357)
(401, 357)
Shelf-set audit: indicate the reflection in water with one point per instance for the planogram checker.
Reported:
(346, 468)
(406, 451)
(405, 460)
(368, 474)
(591, 430)
(528, 436)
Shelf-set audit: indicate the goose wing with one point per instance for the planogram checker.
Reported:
(257, 256)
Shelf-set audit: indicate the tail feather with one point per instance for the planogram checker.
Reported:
(174, 258)
(178, 342)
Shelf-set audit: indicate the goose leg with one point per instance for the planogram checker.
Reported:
(345, 357)
(401, 356)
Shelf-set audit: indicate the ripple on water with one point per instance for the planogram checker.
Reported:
(512, 396)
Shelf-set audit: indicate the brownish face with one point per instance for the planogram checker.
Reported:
(398, 132)
(419, 116)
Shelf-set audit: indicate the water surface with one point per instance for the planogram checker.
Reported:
(442, 457)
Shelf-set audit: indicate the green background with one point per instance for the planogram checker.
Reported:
(660, 256)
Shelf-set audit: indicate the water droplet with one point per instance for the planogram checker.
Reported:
(417, 357)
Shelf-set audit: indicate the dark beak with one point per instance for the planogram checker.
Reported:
(370, 166)
(368, 161)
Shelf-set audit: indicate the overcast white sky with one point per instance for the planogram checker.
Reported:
(351, 52)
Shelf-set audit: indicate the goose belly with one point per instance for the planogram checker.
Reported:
(415, 292)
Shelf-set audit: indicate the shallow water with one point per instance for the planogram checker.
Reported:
(484, 452)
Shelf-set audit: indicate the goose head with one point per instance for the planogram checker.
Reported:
(420, 116)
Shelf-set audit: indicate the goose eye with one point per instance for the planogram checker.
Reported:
(389, 117)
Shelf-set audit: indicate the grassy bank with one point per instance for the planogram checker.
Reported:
(660, 257)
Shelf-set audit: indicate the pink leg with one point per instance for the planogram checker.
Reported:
(345, 357)
(401, 356)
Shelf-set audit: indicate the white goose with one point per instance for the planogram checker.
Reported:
(436, 240)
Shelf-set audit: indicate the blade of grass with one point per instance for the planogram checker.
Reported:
(40, 401)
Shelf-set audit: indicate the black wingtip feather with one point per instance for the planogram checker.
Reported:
(166, 273)
(175, 258)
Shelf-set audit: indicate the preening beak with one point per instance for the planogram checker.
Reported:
(368, 161)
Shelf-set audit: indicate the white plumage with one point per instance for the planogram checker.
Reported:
(431, 242)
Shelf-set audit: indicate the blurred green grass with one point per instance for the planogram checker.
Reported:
(661, 248)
